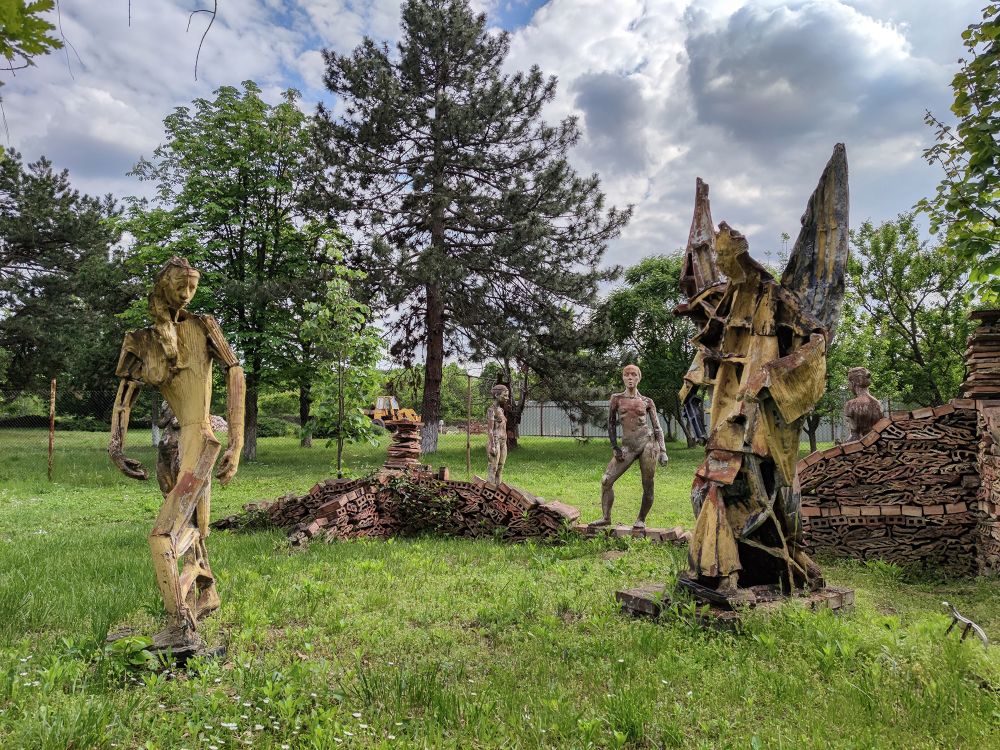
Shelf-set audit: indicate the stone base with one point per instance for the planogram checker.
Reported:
(676, 535)
(654, 600)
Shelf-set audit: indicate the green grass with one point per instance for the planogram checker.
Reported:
(428, 643)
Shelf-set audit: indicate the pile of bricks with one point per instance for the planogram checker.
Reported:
(404, 446)
(982, 358)
(988, 531)
(906, 492)
(356, 508)
(675, 535)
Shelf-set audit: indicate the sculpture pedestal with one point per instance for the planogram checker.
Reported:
(656, 600)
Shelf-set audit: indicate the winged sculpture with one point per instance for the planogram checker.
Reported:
(760, 364)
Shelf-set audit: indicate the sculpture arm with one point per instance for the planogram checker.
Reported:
(128, 392)
(657, 430)
(236, 388)
(613, 426)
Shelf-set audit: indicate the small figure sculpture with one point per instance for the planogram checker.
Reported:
(642, 440)
(761, 356)
(864, 410)
(496, 433)
(175, 355)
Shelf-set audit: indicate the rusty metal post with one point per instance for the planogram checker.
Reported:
(468, 424)
(52, 423)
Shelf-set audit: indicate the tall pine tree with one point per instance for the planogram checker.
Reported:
(475, 222)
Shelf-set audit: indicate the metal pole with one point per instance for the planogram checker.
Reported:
(468, 425)
(541, 419)
(52, 423)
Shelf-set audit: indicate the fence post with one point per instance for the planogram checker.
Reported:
(52, 423)
(541, 419)
(468, 425)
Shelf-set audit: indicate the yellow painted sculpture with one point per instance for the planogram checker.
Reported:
(175, 355)
(761, 361)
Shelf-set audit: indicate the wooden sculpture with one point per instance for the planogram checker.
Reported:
(496, 433)
(761, 359)
(864, 410)
(175, 355)
(642, 441)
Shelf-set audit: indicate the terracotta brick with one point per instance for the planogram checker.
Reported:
(853, 447)
(956, 508)
(810, 511)
(892, 510)
(940, 411)
(898, 415)
(826, 511)
(871, 510)
(912, 510)
(833, 452)
(881, 424)
(964, 403)
(850, 510)
(933, 510)
(812, 458)
(923, 413)
(871, 438)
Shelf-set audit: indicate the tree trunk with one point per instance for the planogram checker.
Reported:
(812, 425)
(250, 418)
(430, 410)
(513, 412)
(305, 407)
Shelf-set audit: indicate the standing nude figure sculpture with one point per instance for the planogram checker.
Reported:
(642, 440)
(175, 355)
(864, 410)
(496, 432)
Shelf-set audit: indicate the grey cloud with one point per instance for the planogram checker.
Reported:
(769, 75)
(614, 118)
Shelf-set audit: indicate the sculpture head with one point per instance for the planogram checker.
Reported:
(858, 378)
(173, 289)
(631, 375)
(501, 393)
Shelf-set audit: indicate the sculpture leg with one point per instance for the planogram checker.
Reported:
(176, 537)
(501, 459)
(611, 474)
(647, 465)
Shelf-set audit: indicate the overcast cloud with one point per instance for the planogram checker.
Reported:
(751, 96)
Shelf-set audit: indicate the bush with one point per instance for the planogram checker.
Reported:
(279, 404)
(272, 427)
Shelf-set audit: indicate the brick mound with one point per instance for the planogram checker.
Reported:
(396, 502)
(676, 535)
(906, 492)
(988, 553)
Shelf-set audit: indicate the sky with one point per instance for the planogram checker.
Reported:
(749, 95)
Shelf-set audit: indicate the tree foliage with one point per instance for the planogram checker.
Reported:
(476, 224)
(61, 284)
(232, 186)
(24, 33)
(348, 349)
(966, 204)
(642, 329)
(911, 298)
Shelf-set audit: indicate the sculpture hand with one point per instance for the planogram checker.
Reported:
(619, 455)
(228, 465)
(130, 467)
(663, 458)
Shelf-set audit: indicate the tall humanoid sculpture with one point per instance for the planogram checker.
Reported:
(864, 410)
(496, 433)
(642, 441)
(175, 355)
(761, 360)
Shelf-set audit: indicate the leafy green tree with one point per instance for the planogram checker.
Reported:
(233, 181)
(61, 285)
(966, 204)
(476, 221)
(348, 348)
(24, 33)
(912, 298)
(640, 324)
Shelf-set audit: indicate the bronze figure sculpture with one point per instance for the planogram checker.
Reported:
(496, 433)
(175, 355)
(864, 410)
(642, 441)
(761, 360)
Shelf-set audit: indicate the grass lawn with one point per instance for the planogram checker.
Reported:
(436, 643)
